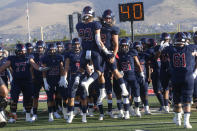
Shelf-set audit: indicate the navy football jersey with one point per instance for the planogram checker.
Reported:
(30, 56)
(142, 59)
(87, 33)
(53, 62)
(126, 63)
(5, 72)
(154, 63)
(106, 35)
(21, 67)
(38, 60)
(182, 61)
(74, 62)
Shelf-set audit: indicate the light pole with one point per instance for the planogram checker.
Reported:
(28, 26)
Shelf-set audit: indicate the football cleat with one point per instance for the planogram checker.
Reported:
(177, 119)
(166, 109)
(51, 119)
(12, 120)
(137, 112)
(111, 114)
(70, 118)
(147, 110)
(101, 117)
(28, 117)
(126, 115)
(57, 116)
(34, 118)
(186, 121)
(3, 121)
(90, 113)
(84, 120)
(131, 111)
(121, 114)
(64, 111)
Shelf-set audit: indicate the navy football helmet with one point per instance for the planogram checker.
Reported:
(60, 46)
(68, 45)
(40, 46)
(188, 35)
(51, 49)
(165, 36)
(125, 45)
(76, 44)
(29, 48)
(108, 14)
(20, 50)
(180, 38)
(151, 42)
(138, 46)
(195, 37)
(87, 13)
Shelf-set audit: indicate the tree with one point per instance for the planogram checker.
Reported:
(64, 39)
(35, 40)
(122, 33)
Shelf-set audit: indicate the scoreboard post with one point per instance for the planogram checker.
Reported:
(131, 12)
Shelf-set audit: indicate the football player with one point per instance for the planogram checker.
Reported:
(29, 49)
(109, 36)
(37, 76)
(89, 32)
(58, 99)
(142, 83)
(22, 79)
(5, 74)
(3, 102)
(155, 64)
(72, 63)
(182, 61)
(165, 69)
(54, 79)
(126, 61)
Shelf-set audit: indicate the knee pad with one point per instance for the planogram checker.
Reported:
(137, 99)
(126, 100)
(186, 104)
(3, 102)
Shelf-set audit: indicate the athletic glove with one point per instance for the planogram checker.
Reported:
(142, 75)
(63, 82)
(194, 74)
(46, 85)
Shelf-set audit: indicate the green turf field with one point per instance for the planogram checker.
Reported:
(156, 122)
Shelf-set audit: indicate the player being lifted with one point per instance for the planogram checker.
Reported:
(109, 36)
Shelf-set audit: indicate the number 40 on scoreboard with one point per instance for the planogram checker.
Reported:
(131, 12)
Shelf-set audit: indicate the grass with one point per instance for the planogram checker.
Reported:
(156, 122)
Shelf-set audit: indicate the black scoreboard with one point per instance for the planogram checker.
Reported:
(131, 12)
